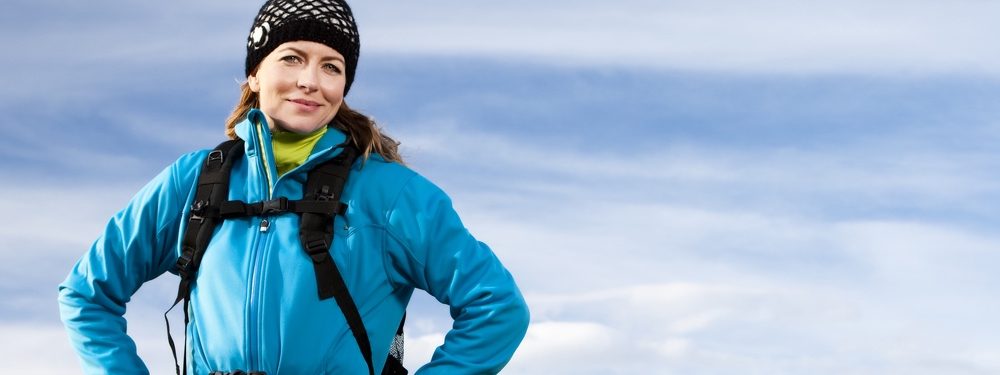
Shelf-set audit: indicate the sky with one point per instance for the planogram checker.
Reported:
(679, 187)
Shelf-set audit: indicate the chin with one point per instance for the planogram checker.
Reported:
(303, 127)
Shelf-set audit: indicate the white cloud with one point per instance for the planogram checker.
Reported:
(567, 342)
(720, 286)
(774, 328)
(418, 349)
(55, 216)
(898, 170)
(762, 36)
(36, 349)
(938, 260)
(759, 36)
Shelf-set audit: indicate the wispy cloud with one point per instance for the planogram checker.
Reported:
(888, 171)
(761, 36)
(712, 328)
(30, 349)
(697, 254)
(764, 36)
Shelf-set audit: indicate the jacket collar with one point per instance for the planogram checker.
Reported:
(256, 137)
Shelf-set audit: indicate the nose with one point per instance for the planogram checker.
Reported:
(307, 80)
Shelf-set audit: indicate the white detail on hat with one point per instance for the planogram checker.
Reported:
(258, 37)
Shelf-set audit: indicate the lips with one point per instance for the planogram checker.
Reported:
(305, 102)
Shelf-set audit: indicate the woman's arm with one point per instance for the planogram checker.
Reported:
(137, 245)
(440, 256)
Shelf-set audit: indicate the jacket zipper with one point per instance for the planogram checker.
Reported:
(254, 344)
(254, 290)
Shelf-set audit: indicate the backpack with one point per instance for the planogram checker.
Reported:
(319, 205)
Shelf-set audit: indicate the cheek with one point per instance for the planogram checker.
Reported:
(333, 89)
(271, 80)
(335, 96)
(264, 96)
(269, 93)
(266, 88)
(335, 100)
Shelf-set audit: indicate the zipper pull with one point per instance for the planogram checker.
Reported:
(264, 224)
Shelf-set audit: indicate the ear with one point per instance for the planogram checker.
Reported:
(254, 83)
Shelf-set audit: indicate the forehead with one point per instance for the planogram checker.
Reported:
(320, 50)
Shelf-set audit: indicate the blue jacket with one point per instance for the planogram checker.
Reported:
(254, 305)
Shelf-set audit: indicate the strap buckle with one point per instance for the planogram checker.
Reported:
(274, 206)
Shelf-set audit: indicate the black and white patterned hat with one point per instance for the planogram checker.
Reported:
(329, 22)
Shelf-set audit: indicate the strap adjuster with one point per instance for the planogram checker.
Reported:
(324, 194)
(318, 249)
(184, 263)
(318, 245)
(214, 157)
(198, 210)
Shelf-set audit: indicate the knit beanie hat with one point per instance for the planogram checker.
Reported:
(329, 22)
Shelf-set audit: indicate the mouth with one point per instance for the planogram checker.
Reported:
(305, 102)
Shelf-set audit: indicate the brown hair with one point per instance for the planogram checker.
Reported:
(361, 130)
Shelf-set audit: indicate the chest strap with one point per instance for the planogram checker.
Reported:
(230, 209)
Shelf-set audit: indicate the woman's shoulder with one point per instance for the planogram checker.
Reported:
(390, 173)
(191, 161)
(376, 167)
(184, 170)
(192, 158)
(388, 182)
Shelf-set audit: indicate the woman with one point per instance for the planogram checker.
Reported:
(257, 302)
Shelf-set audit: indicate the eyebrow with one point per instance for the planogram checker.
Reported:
(301, 52)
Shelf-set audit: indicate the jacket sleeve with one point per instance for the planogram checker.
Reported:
(136, 246)
(440, 256)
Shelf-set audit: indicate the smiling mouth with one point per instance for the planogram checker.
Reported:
(304, 102)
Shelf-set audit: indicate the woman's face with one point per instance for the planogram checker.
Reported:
(300, 86)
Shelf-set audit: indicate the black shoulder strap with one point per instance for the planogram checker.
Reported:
(212, 190)
(326, 183)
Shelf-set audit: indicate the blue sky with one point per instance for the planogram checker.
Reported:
(690, 187)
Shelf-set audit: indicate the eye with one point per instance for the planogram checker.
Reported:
(291, 59)
(332, 68)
